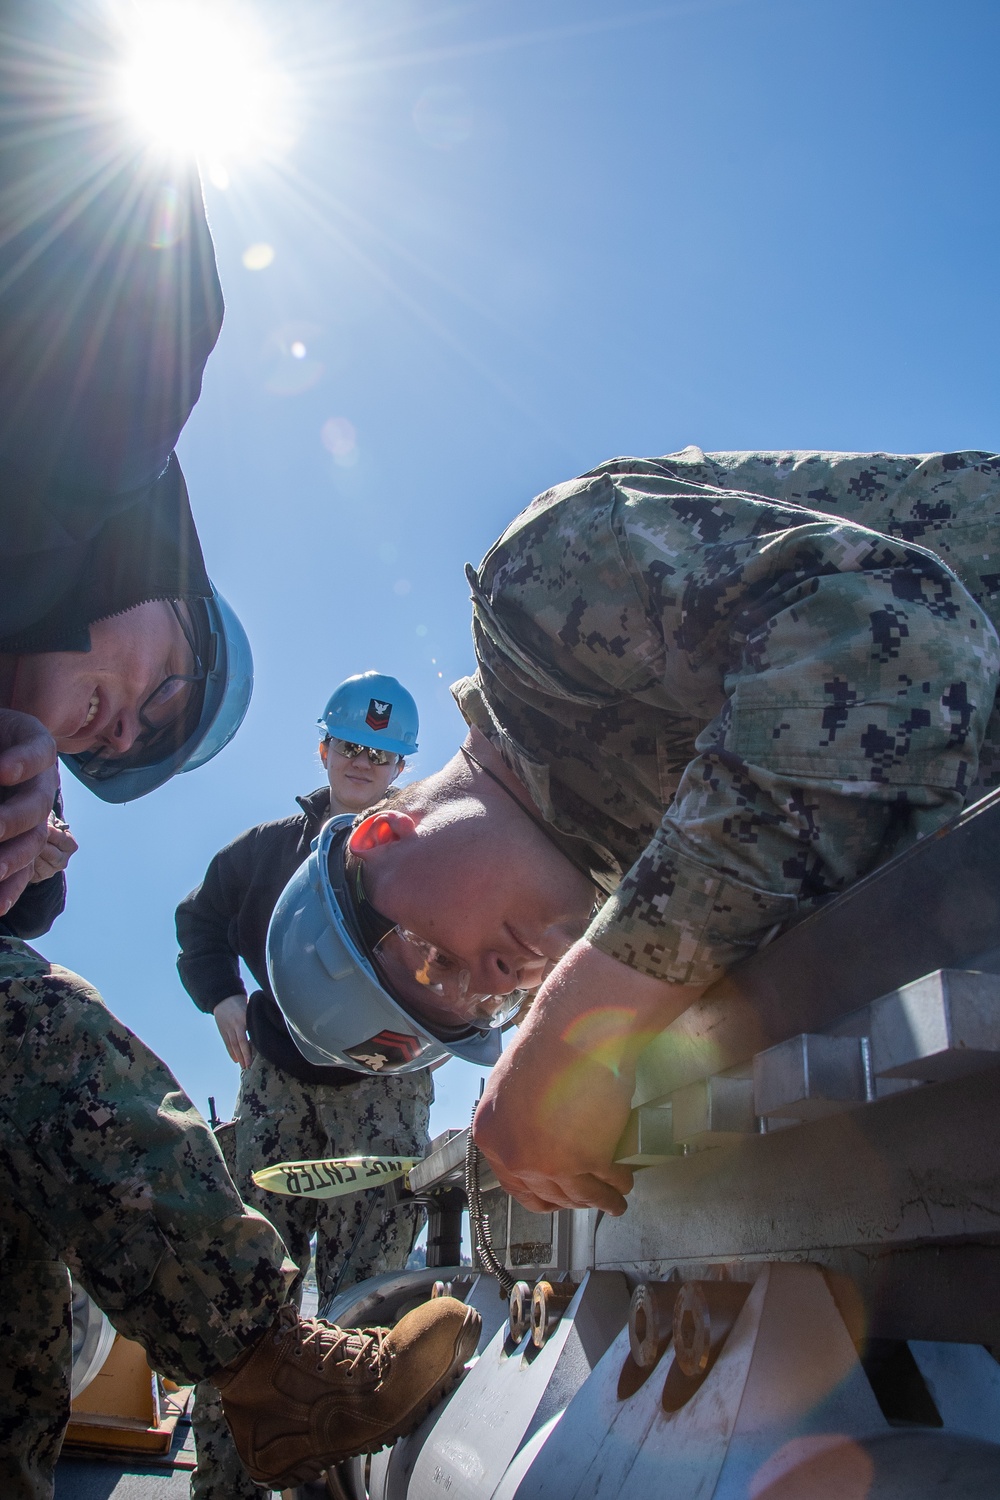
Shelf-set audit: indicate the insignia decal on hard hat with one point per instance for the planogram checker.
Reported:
(378, 714)
(388, 1049)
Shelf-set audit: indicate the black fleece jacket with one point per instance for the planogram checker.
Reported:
(226, 918)
(105, 328)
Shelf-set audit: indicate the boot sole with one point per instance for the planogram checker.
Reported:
(464, 1349)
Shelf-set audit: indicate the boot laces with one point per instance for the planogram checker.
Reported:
(325, 1343)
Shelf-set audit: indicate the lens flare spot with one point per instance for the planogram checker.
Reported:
(597, 1027)
(402, 586)
(566, 1089)
(168, 219)
(290, 368)
(259, 256)
(604, 1035)
(421, 630)
(340, 439)
(825, 1464)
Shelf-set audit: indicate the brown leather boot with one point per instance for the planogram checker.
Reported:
(308, 1395)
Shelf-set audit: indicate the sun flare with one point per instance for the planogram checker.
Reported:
(196, 78)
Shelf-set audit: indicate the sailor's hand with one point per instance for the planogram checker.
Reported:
(559, 1098)
(57, 851)
(29, 782)
(231, 1019)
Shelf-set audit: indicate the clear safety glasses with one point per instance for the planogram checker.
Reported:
(348, 749)
(438, 985)
(167, 703)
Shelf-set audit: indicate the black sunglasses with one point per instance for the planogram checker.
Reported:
(348, 749)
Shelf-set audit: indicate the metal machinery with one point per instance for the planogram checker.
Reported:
(801, 1300)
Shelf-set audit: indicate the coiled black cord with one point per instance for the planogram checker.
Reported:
(479, 1224)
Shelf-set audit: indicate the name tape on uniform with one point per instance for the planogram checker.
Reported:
(332, 1179)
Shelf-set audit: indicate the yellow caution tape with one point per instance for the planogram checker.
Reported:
(332, 1179)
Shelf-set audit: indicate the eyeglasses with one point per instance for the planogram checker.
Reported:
(349, 750)
(167, 703)
(166, 715)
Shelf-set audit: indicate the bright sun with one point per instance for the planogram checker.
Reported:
(196, 78)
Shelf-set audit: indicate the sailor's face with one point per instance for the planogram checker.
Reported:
(355, 783)
(490, 895)
(90, 700)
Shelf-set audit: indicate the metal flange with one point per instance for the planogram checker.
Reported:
(519, 1316)
(651, 1321)
(704, 1314)
(548, 1303)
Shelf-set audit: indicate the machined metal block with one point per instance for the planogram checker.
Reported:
(648, 1137)
(809, 1077)
(946, 1025)
(531, 1237)
(712, 1112)
(445, 1157)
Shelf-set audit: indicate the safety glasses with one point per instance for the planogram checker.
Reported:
(167, 703)
(438, 985)
(166, 715)
(349, 750)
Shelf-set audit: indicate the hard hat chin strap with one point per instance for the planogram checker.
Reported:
(373, 926)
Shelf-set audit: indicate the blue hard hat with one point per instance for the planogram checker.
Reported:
(338, 1008)
(212, 718)
(374, 710)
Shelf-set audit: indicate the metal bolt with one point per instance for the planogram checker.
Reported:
(548, 1303)
(519, 1316)
(441, 1289)
(704, 1314)
(651, 1321)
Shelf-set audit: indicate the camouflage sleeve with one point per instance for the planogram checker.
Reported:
(826, 687)
(856, 699)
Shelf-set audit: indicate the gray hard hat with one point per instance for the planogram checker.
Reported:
(339, 1008)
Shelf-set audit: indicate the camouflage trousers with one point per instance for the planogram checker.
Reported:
(108, 1169)
(280, 1119)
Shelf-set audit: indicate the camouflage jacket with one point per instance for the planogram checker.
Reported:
(728, 707)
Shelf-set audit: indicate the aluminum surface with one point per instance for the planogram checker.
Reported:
(945, 1025)
(936, 906)
(810, 1076)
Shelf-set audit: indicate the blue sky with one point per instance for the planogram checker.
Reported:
(511, 240)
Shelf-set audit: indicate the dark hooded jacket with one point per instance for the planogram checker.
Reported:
(110, 304)
(226, 919)
(103, 340)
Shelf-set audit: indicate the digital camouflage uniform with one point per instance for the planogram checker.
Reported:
(729, 707)
(289, 1109)
(108, 1169)
(105, 327)
(279, 1118)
